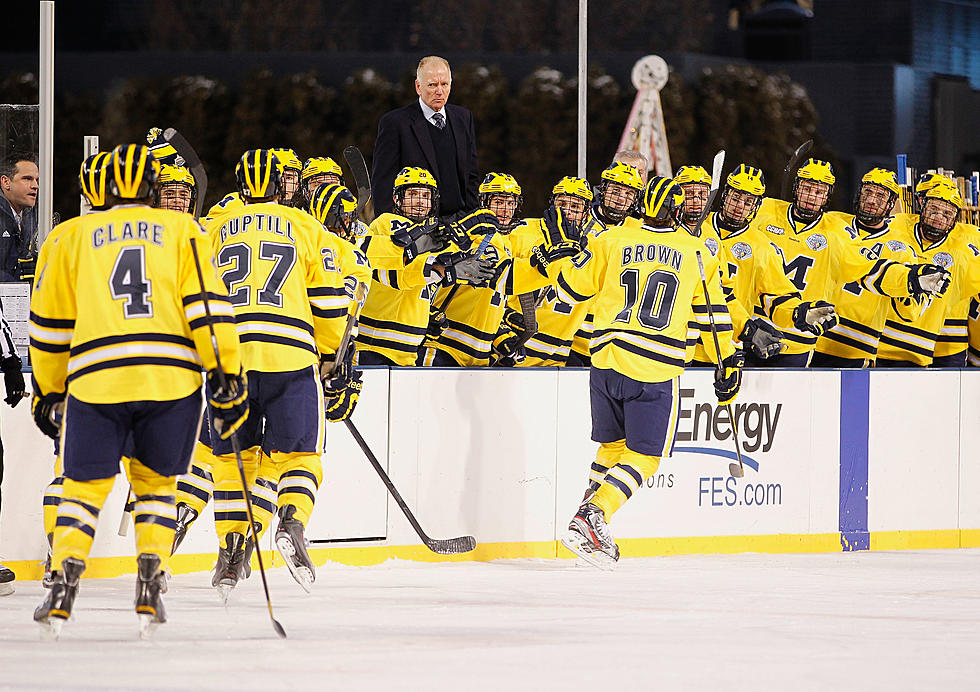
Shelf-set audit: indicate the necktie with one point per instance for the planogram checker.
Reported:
(439, 120)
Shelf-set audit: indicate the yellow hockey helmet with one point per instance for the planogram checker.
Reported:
(92, 179)
(287, 160)
(883, 177)
(747, 179)
(734, 212)
(413, 176)
(500, 184)
(315, 169)
(927, 181)
(873, 210)
(577, 187)
(692, 174)
(257, 175)
(178, 175)
(947, 192)
(820, 172)
(133, 173)
(815, 169)
(624, 174)
(934, 221)
(335, 207)
(662, 201)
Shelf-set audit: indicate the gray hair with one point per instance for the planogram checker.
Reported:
(432, 60)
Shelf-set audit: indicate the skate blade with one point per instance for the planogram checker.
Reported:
(224, 592)
(303, 575)
(51, 629)
(148, 625)
(6, 589)
(577, 543)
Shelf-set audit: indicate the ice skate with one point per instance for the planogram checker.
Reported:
(291, 544)
(185, 517)
(57, 604)
(150, 583)
(588, 537)
(229, 568)
(6, 581)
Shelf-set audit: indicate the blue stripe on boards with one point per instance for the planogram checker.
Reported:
(854, 412)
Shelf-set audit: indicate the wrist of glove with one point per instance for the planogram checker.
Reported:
(728, 378)
(339, 404)
(816, 317)
(228, 404)
(762, 339)
(514, 320)
(558, 229)
(48, 413)
(437, 323)
(460, 267)
(507, 349)
(928, 279)
(544, 255)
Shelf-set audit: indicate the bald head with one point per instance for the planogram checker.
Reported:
(433, 81)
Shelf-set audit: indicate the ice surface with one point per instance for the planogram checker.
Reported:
(838, 621)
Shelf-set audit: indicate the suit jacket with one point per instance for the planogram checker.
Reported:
(404, 139)
(15, 242)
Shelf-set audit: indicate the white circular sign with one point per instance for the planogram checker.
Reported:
(650, 72)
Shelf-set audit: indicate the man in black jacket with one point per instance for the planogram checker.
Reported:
(18, 217)
(430, 134)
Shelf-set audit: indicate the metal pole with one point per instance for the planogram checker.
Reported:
(90, 145)
(45, 161)
(583, 80)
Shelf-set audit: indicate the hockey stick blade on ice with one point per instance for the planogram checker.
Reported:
(362, 179)
(444, 546)
(794, 162)
(193, 163)
(736, 470)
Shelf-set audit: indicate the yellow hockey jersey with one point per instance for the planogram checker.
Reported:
(648, 299)
(394, 318)
(817, 257)
(954, 335)
(117, 313)
(973, 334)
(289, 307)
(230, 202)
(861, 314)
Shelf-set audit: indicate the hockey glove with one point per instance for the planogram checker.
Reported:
(762, 338)
(544, 255)
(419, 239)
(460, 267)
(558, 229)
(437, 322)
(467, 229)
(26, 267)
(13, 380)
(47, 412)
(817, 317)
(507, 348)
(728, 378)
(334, 375)
(514, 320)
(930, 279)
(340, 403)
(229, 405)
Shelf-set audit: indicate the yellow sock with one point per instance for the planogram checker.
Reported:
(230, 512)
(265, 493)
(623, 479)
(299, 478)
(154, 510)
(52, 498)
(605, 458)
(78, 515)
(195, 488)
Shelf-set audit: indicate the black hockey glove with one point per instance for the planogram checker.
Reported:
(418, 239)
(47, 412)
(334, 375)
(468, 229)
(340, 403)
(514, 320)
(728, 378)
(229, 405)
(13, 380)
(558, 229)
(762, 338)
(460, 267)
(817, 317)
(437, 321)
(928, 279)
(544, 255)
(507, 348)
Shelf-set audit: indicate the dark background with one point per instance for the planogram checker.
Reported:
(865, 79)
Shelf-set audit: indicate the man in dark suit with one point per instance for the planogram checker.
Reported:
(429, 134)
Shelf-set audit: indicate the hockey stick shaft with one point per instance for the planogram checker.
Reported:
(124, 519)
(721, 368)
(362, 179)
(223, 383)
(792, 165)
(193, 161)
(448, 546)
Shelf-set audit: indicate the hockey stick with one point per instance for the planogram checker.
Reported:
(223, 383)
(126, 514)
(362, 179)
(792, 165)
(193, 161)
(737, 470)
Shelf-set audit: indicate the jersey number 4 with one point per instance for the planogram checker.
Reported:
(128, 282)
(657, 301)
(240, 256)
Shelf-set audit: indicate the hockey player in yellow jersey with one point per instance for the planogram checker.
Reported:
(177, 189)
(912, 343)
(126, 363)
(409, 257)
(853, 342)
(973, 334)
(818, 254)
(573, 196)
(648, 291)
(290, 169)
(696, 183)
(290, 312)
(317, 171)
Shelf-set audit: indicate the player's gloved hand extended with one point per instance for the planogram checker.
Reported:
(507, 348)
(228, 404)
(47, 410)
(762, 338)
(26, 266)
(339, 404)
(466, 228)
(928, 278)
(817, 317)
(335, 375)
(558, 229)
(728, 378)
(461, 267)
(13, 380)
(437, 322)
(514, 320)
(419, 238)
(544, 255)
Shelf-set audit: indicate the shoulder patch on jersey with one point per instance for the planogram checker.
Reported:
(896, 245)
(712, 246)
(943, 259)
(777, 230)
(816, 241)
(741, 250)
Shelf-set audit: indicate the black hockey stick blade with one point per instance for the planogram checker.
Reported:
(193, 162)
(443, 546)
(362, 179)
(794, 162)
